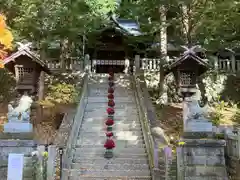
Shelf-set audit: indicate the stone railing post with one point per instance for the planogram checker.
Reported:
(87, 63)
(52, 153)
(238, 143)
(180, 164)
(39, 164)
(233, 62)
(137, 63)
(215, 62)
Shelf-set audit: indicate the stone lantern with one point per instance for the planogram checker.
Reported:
(187, 70)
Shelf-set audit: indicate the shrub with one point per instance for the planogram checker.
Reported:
(61, 93)
(217, 115)
(8, 84)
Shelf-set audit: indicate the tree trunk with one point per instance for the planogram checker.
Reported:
(41, 87)
(163, 48)
(186, 18)
(64, 53)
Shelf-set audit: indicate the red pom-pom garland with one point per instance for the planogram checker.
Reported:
(111, 84)
(109, 144)
(110, 96)
(109, 122)
(110, 111)
(109, 134)
(111, 103)
(110, 90)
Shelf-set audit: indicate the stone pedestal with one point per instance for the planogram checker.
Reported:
(18, 127)
(201, 159)
(198, 128)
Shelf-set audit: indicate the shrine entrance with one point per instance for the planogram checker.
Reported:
(103, 66)
(109, 51)
(110, 59)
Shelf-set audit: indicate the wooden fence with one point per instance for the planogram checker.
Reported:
(150, 64)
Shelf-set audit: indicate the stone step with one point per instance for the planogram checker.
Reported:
(116, 118)
(85, 139)
(108, 173)
(131, 110)
(104, 93)
(90, 132)
(120, 136)
(111, 167)
(105, 83)
(105, 99)
(116, 155)
(121, 144)
(99, 142)
(103, 113)
(87, 127)
(114, 160)
(101, 120)
(112, 178)
(101, 150)
(117, 125)
(105, 106)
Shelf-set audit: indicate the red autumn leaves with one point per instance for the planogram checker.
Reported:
(109, 143)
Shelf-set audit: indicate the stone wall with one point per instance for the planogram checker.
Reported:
(201, 160)
(25, 147)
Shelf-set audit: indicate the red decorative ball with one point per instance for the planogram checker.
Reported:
(109, 144)
(110, 96)
(110, 111)
(109, 134)
(110, 90)
(109, 122)
(111, 103)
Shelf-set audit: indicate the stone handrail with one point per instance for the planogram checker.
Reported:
(149, 122)
(67, 156)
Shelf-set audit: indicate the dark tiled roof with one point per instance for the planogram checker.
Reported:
(129, 26)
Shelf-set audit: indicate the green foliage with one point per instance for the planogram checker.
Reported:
(60, 93)
(8, 84)
(211, 23)
(236, 117)
(219, 136)
(217, 115)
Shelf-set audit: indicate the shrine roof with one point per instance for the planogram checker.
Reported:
(129, 26)
(25, 51)
(190, 55)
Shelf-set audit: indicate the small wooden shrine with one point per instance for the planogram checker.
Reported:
(26, 66)
(187, 70)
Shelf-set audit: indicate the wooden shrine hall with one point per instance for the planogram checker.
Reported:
(112, 46)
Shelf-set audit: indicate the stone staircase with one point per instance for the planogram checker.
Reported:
(130, 161)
